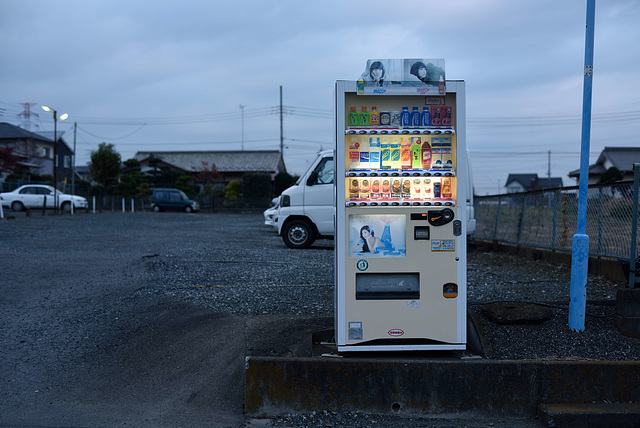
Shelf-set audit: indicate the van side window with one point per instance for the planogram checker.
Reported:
(325, 172)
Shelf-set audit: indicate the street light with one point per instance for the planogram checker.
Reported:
(55, 155)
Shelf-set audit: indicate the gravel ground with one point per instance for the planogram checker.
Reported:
(281, 282)
(233, 264)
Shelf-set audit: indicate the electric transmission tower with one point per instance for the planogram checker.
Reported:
(26, 115)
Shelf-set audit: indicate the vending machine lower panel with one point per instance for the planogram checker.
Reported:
(403, 274)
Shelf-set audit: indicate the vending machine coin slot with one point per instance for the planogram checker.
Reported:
(457, 228)
(440, 217)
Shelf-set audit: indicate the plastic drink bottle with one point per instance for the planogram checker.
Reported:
(354, 153)
(374, 153)
(435, 117)
(426, 117)
(374, 117)
(416, 157)
(395, 154)
(364, 153)
(385, 154)
(426, 155)
(405, 117)
(353, 117)
(441, 86)
(415, 117)
(405, 154)
(363, 118)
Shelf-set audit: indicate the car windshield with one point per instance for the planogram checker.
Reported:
(183, 196)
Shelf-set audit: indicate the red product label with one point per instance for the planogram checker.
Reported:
(395, 332)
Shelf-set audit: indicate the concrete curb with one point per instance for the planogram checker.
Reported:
(419, 387)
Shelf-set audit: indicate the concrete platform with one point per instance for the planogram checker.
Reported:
(483, 388)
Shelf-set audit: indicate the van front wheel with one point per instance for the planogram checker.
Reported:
(298, 234)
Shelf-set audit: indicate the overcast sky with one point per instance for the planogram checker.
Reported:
(164, 75)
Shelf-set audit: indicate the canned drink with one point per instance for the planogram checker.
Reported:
(385, 118)
(395, 119)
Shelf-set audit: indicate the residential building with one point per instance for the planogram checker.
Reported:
(231, 165)
(35, 149)
(621, 158)
(525, 182)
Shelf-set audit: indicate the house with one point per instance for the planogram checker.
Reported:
(231, 164)
(35, 149)
(525, 182)
(621, 158)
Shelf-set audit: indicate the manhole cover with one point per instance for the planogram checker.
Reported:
(516, 313)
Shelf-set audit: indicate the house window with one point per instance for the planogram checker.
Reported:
(67, 161)
(46, 152)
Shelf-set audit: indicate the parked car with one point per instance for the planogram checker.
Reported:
(172, 200)
(270, 213)
(34, 196)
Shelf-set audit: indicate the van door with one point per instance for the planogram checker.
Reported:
(318, 196)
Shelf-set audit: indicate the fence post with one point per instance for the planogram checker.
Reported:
(555, 218)
(524, 197)
(600, 215)
(495, 229)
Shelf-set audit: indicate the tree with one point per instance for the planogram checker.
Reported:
(232, 193)
(130, 179)
(208, 176)
(105, 165)
(8, 161)
(611, 175)
(282, 182)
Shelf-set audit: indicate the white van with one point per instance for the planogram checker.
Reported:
(306, 210)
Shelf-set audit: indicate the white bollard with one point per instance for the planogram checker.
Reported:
(123, 210)
(94, 204)
(1, 212)
(132, 206)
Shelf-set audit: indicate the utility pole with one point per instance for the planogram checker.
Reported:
(549, 164)
(281, 134)
(242, 125)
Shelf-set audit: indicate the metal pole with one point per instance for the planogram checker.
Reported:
(281, 133)
(73, 165)
(634, 227)
(580, 250)
(55, 162)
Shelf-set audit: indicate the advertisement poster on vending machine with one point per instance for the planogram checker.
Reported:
(377, 236)
(403, 76)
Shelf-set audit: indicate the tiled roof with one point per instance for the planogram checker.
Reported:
(225, 161)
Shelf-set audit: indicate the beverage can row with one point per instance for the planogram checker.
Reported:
(398, 153)
(396, 188)
(429, 116)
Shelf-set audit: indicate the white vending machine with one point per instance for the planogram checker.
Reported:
(400, 242)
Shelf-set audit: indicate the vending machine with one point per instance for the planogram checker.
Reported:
(400, 238)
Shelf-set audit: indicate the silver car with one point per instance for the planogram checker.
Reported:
(35, 196)
(271, 212)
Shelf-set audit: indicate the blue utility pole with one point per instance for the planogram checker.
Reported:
(580, 250)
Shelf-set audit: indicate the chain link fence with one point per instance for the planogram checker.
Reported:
(548, 218)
